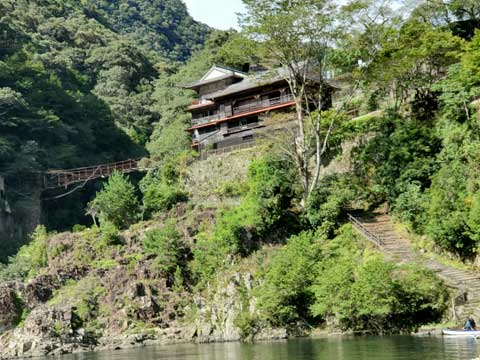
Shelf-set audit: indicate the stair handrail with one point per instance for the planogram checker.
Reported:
(368, 234)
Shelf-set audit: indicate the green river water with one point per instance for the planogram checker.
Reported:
(355, 348)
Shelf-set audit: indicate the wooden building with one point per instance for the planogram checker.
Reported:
(232, 106)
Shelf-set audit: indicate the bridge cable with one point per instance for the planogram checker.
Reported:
(74, 189)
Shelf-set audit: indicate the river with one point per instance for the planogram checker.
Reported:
(354, 348)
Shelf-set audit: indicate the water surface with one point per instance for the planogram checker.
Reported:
(355, 348)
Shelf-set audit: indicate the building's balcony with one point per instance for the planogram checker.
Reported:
(255, 105)
(245, 108)
(206, 119)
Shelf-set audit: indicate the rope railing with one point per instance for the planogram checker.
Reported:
(375, 239)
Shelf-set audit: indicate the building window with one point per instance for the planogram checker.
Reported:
(206, 130)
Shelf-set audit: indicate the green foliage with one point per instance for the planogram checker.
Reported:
(285, 294)
(326, 204)
(262, 210)
(314, 279)
(30, 259)
(402, 152)
(410, 206)
(161, 26)
(377, 296)
(117, 203)
(163, 188)
(78, 228)
(109, 234)
(167, 245)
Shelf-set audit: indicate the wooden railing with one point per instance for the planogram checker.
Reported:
(375, 239)
(247, 107)
(262, 104)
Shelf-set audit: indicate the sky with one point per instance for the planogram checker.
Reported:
(220, 14)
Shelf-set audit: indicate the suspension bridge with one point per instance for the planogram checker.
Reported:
(53, 179)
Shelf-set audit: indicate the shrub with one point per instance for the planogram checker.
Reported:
(162, 189)
(117, 203)
(30, 258)
(285, 295)
(166, 244)
(78, 228)
(447, 212)
(364, 292)
(109, 234)
(314, 279)
(326, 203)
(158, 197)
(409, 206)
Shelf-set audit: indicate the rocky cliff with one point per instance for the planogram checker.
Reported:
(88, 292)
(117, 301)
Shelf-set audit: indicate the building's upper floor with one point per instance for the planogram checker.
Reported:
(225, 94)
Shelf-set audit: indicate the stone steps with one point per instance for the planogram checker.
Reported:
(399, 249)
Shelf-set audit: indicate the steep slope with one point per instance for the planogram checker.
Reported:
(399, 249)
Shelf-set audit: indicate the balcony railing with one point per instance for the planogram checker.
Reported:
(206, 119)
(246, 107)
(262, 104)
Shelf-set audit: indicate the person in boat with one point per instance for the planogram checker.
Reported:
(470, 325)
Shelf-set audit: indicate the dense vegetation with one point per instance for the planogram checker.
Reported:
(89, 82)
(70, 85)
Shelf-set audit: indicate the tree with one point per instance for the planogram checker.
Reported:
(285, 294)
(166, 244)
(300, 35)
(117, 203)
(401, 58)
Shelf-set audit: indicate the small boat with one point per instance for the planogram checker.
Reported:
(461, 333)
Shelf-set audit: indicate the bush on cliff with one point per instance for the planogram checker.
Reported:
(117, 203)
(167, 245)
(162, 189)
(285, 294)
(30, 258)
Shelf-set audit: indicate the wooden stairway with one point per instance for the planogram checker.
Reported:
(379, 229)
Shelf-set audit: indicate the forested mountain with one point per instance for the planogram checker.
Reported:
(74, 74)
(163, 26)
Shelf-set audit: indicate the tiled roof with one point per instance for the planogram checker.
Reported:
(260, 79)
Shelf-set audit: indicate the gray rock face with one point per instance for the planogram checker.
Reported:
(46, 331)
(217, 317)
(140, 310)
(9, 311)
